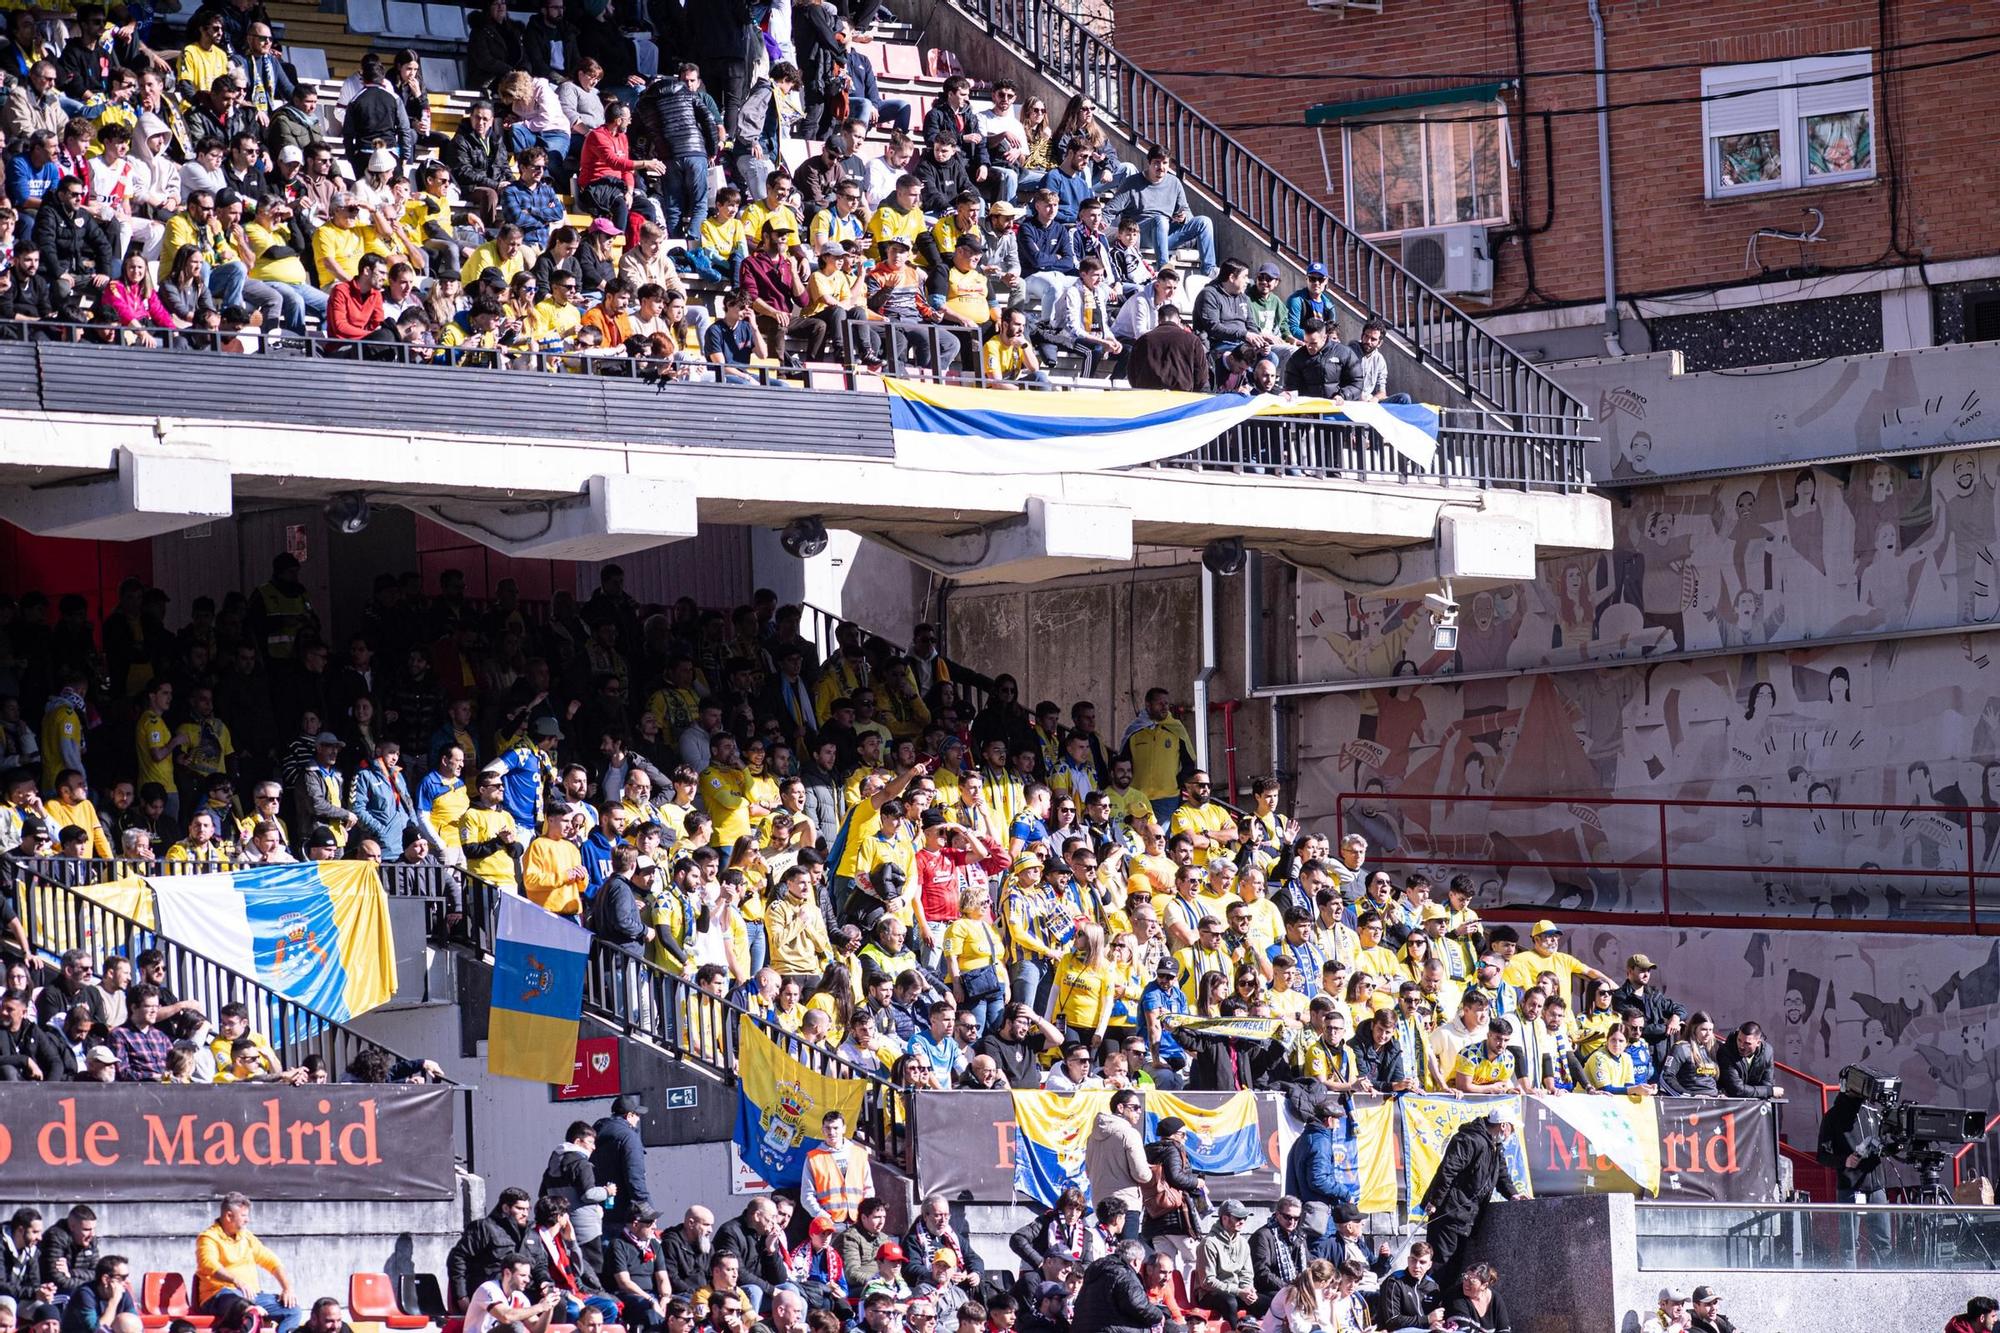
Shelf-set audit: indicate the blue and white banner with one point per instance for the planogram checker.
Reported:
(997, 432)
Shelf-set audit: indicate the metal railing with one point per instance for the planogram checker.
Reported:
(59, 917)
(1534, 452)
(633, 996)
(429, 880)
(1439, 334)
(1809, 1237)
(1696, 863)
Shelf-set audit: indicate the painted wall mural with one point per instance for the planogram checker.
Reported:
(1779, 734)
(1922, 1008)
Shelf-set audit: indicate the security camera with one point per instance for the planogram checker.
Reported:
(1441, 605)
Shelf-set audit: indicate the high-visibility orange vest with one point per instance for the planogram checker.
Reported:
(840, 1181)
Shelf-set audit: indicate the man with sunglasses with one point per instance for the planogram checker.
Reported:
(1640, 993)
(1546, 955)
(1211, 830)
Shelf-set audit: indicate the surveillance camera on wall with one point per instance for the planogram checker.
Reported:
(1441, 604)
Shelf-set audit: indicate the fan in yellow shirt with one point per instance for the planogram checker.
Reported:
(1547, 956)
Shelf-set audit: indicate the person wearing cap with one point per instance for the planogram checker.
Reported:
(897, 294)
(1312, 301)
(1705, 1314)
(1267, 310)
(100, 1066)
(1472, 1167)
(958, 290)
(1670, 1316)
(1224, 1279)
(618, 1161)
(635, 1266)
(1546, 955)
(527, 770)
(318, 788)
(1662, 1015)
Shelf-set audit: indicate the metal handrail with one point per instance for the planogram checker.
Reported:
(1251, 191)
(638, 998)
(1657, 857)
(59, 917)
(428, 880)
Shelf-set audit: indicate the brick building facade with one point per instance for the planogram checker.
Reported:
(1682, 222)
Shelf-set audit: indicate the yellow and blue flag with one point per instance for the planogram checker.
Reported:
(1051, 1130)
(1373, 1136)
(316, 932)
(949, 428)
(1222, 1141)
(779, 1105)
(538, 966)
(1428, 1124)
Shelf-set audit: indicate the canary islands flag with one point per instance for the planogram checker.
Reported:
(950, 428)
(316, 932)
(779, 1105)
(1051, 1131)
(1221, 1140)
(538, 965)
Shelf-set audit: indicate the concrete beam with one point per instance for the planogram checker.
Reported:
(145, 495)
(614, 516)
(1051, 539)
(1472, 551)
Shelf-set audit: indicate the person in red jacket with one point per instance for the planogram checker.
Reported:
(1981, 1314)
(354, 310)
(607, 174)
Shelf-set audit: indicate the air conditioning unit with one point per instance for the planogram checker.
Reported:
(1450, 259)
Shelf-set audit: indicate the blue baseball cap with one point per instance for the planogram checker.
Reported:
(1315, 269)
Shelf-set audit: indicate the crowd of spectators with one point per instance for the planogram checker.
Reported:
(713, 214)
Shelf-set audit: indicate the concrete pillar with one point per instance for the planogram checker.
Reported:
(143, 496)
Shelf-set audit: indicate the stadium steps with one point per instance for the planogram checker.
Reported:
(1232, 185)
(59, 917)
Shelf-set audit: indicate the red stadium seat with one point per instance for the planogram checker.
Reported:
(372, 1296)
(898, 60)
(163, 1298)
(1197, 1317)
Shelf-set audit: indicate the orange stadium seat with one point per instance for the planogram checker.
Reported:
(372, 1296)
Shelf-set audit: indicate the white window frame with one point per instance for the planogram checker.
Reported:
(1447, 112)
(1773, 100)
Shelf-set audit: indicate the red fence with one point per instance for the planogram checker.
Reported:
(1698, 863)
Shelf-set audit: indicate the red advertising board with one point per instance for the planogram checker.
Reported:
(595, 1073)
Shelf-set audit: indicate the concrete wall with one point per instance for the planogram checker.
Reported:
(319, 1243)
(1654, 420)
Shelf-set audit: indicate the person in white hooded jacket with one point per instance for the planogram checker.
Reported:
(1115, 1157)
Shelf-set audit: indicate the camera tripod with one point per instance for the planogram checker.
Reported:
(1948, 1233)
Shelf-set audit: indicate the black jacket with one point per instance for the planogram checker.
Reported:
(1027, 1243)
(1268, 1243)
(1401, 1303)
(615, 915)
(1471, 1169)
(1381, 1065)
(375, 117)
(20, 1274)
(64, 1262)
(475, 1257)
(1656, 1006)
(684, 1261)
(72, 241)
(492, 50)
(942, 181)
(476, 161)
(1740, 1075)
(83, 69)
(1178, 1171)
(620, 1159)
(31, 1042)
(718, 30)
(815, 31)
(539, 40)
(1334, 373)
(676, 121)
(756, 1262)
(1113, 1300)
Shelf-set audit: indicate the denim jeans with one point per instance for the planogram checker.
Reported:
(225, 283)
(1009, 182)
(520, 138)
(1030, 977)
(300, 300)
(1163, 239)
(684, 197)
(892, 112)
